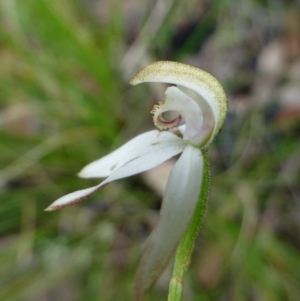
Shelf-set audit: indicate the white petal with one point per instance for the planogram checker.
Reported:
(208, 125)
(138, 146)
(141, 164)
(73, 198)
(178, 206)
(192, 78)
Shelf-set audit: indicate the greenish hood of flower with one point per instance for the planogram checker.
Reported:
(197, 84)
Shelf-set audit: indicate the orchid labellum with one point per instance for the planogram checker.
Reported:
(200, 107)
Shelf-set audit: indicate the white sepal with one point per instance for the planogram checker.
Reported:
(179, 202)
(136, 147)
(138, 165)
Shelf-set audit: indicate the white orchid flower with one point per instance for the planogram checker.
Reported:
(200, 103)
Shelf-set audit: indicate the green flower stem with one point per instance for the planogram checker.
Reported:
(186, 245)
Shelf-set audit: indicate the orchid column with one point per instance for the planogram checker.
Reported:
(200, 107)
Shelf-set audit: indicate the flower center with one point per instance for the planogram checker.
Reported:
(176, 107)
(163, 122)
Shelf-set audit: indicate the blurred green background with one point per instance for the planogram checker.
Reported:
(65, 101)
